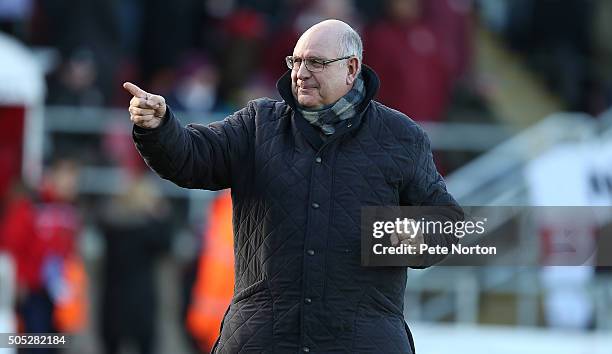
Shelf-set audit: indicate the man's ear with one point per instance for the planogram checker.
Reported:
(353, 69)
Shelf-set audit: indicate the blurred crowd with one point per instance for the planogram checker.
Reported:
(566, 43)
(213, 56)
(208, 55)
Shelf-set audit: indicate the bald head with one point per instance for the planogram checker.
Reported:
(330, 27)
(336, 34)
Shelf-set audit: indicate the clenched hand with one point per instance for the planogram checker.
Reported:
(146, 110)
(414, 237)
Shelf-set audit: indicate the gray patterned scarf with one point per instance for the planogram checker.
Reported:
(346, 107)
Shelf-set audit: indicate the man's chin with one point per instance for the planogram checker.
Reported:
(308, 102)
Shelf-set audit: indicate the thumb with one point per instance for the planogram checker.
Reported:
(134, 90)
(155, 101)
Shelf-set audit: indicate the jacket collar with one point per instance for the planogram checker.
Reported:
(311, 134)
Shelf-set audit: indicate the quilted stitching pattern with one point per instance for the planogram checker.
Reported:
(299, 281)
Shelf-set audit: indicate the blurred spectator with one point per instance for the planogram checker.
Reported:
(195, 90)
(74, 83)
(85, 30)
(244, 32)
(214, 286)
(451, 22)
(136, 229)
(408, 54)
(59, 224)
(42, 240)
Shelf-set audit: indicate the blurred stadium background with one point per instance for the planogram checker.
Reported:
(515, 96)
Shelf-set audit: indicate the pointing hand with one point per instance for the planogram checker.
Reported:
(146, 110)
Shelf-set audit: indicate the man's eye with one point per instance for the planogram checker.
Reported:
(316, 62)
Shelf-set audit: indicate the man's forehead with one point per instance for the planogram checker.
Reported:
(316, 44)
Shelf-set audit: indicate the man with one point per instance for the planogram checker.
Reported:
(299, 171)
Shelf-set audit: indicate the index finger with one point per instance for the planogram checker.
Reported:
(134, 90)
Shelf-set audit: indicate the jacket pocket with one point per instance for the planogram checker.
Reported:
(247, 326)
(380, 303)
(250, 290)
(379, 328)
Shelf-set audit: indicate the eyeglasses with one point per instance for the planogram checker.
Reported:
(313, 65)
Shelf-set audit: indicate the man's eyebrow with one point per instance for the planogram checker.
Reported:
(310, 56)
(315, 58)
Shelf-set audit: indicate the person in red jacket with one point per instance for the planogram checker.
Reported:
(20, 238)
(41, 238)
(407, 53)
(58, 225)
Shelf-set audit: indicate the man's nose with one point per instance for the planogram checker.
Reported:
(302, 72)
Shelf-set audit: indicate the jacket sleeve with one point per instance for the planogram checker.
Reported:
(425, 188)
(196, 156)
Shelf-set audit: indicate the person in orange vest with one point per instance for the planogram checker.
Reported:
(214, 285)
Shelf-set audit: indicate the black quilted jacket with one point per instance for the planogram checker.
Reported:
(296, 198)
